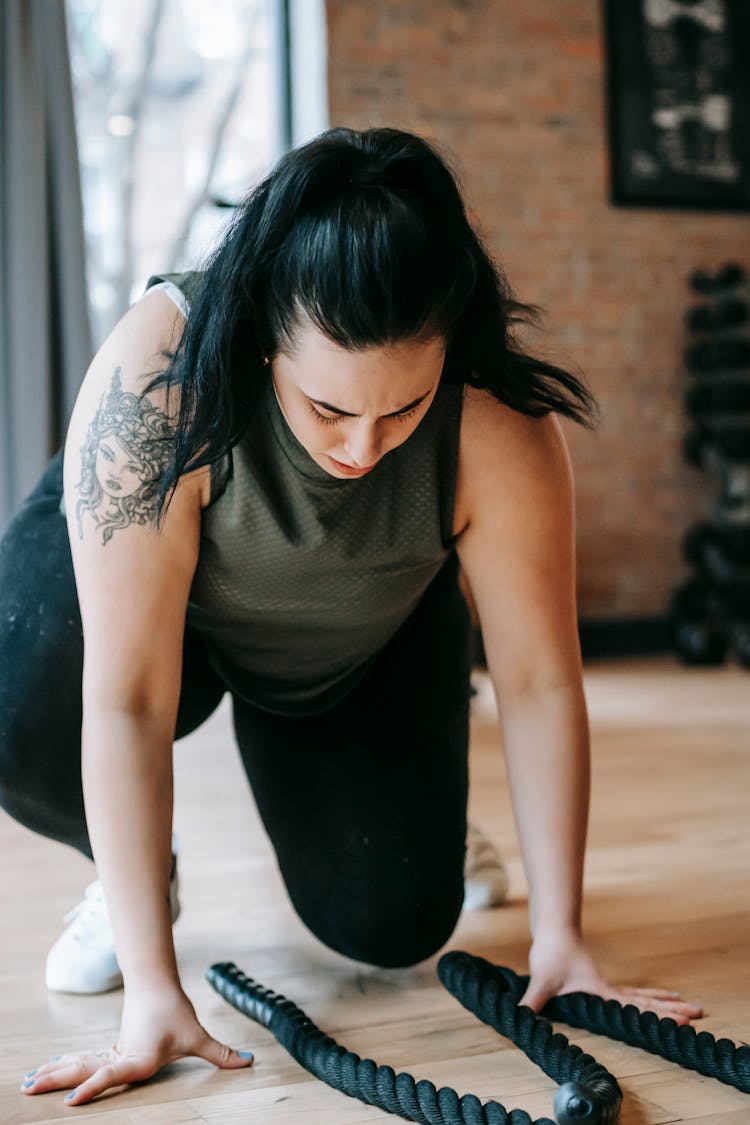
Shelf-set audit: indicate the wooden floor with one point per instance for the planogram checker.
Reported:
(668, 877)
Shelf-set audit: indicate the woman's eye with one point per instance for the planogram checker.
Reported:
(332, 419)
(327, 419)
(408, 414)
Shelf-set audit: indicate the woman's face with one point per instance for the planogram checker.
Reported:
(349, 408)
(117, 471)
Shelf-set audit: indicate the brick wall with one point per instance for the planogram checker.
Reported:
(515, 92)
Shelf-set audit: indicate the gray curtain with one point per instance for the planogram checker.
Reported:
(45, 339)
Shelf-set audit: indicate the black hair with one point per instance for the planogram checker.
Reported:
(366, 235)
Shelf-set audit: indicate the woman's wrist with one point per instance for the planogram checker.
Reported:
(152, 970)
(556, 928)
(152, 980)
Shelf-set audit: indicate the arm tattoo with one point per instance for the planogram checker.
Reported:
(128, 447)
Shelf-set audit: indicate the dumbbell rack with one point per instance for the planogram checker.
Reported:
(710, 612)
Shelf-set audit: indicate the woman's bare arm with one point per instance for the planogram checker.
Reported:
(515, 510)
(133, 581)
(133, 578)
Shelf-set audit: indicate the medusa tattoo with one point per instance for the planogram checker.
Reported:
(127, 449)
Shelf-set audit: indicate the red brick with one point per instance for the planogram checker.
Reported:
(515, 93)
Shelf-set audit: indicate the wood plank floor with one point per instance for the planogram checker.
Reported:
(668, 877)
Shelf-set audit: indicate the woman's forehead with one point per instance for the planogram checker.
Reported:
(390, 376)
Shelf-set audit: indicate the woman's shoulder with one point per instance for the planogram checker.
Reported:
(138, 346)
(495, 432)
(505, 456)
(136, 350)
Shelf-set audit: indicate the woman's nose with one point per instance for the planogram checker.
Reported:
(363, 445)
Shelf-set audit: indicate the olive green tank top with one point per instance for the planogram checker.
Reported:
(302, 577)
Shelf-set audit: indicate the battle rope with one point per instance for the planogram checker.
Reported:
(589, 1093)
(464, 975)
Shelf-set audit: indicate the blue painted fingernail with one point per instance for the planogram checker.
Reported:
(246, 1054)
(26, 1085)
(71, 1095)
(55, 1058)
(30, 1074)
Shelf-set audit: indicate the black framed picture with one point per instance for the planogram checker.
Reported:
(678, 90)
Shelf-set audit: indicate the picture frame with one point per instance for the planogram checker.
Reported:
(678, 103)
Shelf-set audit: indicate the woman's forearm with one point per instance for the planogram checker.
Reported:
(546, 739)
(128, 792)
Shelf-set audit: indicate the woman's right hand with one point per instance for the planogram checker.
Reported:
(158, 1027)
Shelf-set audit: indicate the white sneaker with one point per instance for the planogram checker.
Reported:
(83, 959)
(485, 877)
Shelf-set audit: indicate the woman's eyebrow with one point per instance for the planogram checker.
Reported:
(348, 414)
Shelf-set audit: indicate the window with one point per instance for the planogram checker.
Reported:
(181, 106)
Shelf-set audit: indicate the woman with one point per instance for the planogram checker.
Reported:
(292, 472)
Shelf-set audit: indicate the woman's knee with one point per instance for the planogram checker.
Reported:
(41, 655)
(387, 933)
(40, 713)
(40, 773)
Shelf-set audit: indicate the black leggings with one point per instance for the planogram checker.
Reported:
(365, 804)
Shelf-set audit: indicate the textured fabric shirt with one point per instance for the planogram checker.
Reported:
(302, 577)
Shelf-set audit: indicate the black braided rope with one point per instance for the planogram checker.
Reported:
(492, 993)
(589, 1092)
(361, 1078)
(679, 1043)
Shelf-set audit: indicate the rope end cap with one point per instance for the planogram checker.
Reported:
(574, 1105)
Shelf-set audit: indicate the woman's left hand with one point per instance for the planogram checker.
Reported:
(560, 964)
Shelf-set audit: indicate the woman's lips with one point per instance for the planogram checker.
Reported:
(350, 470)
